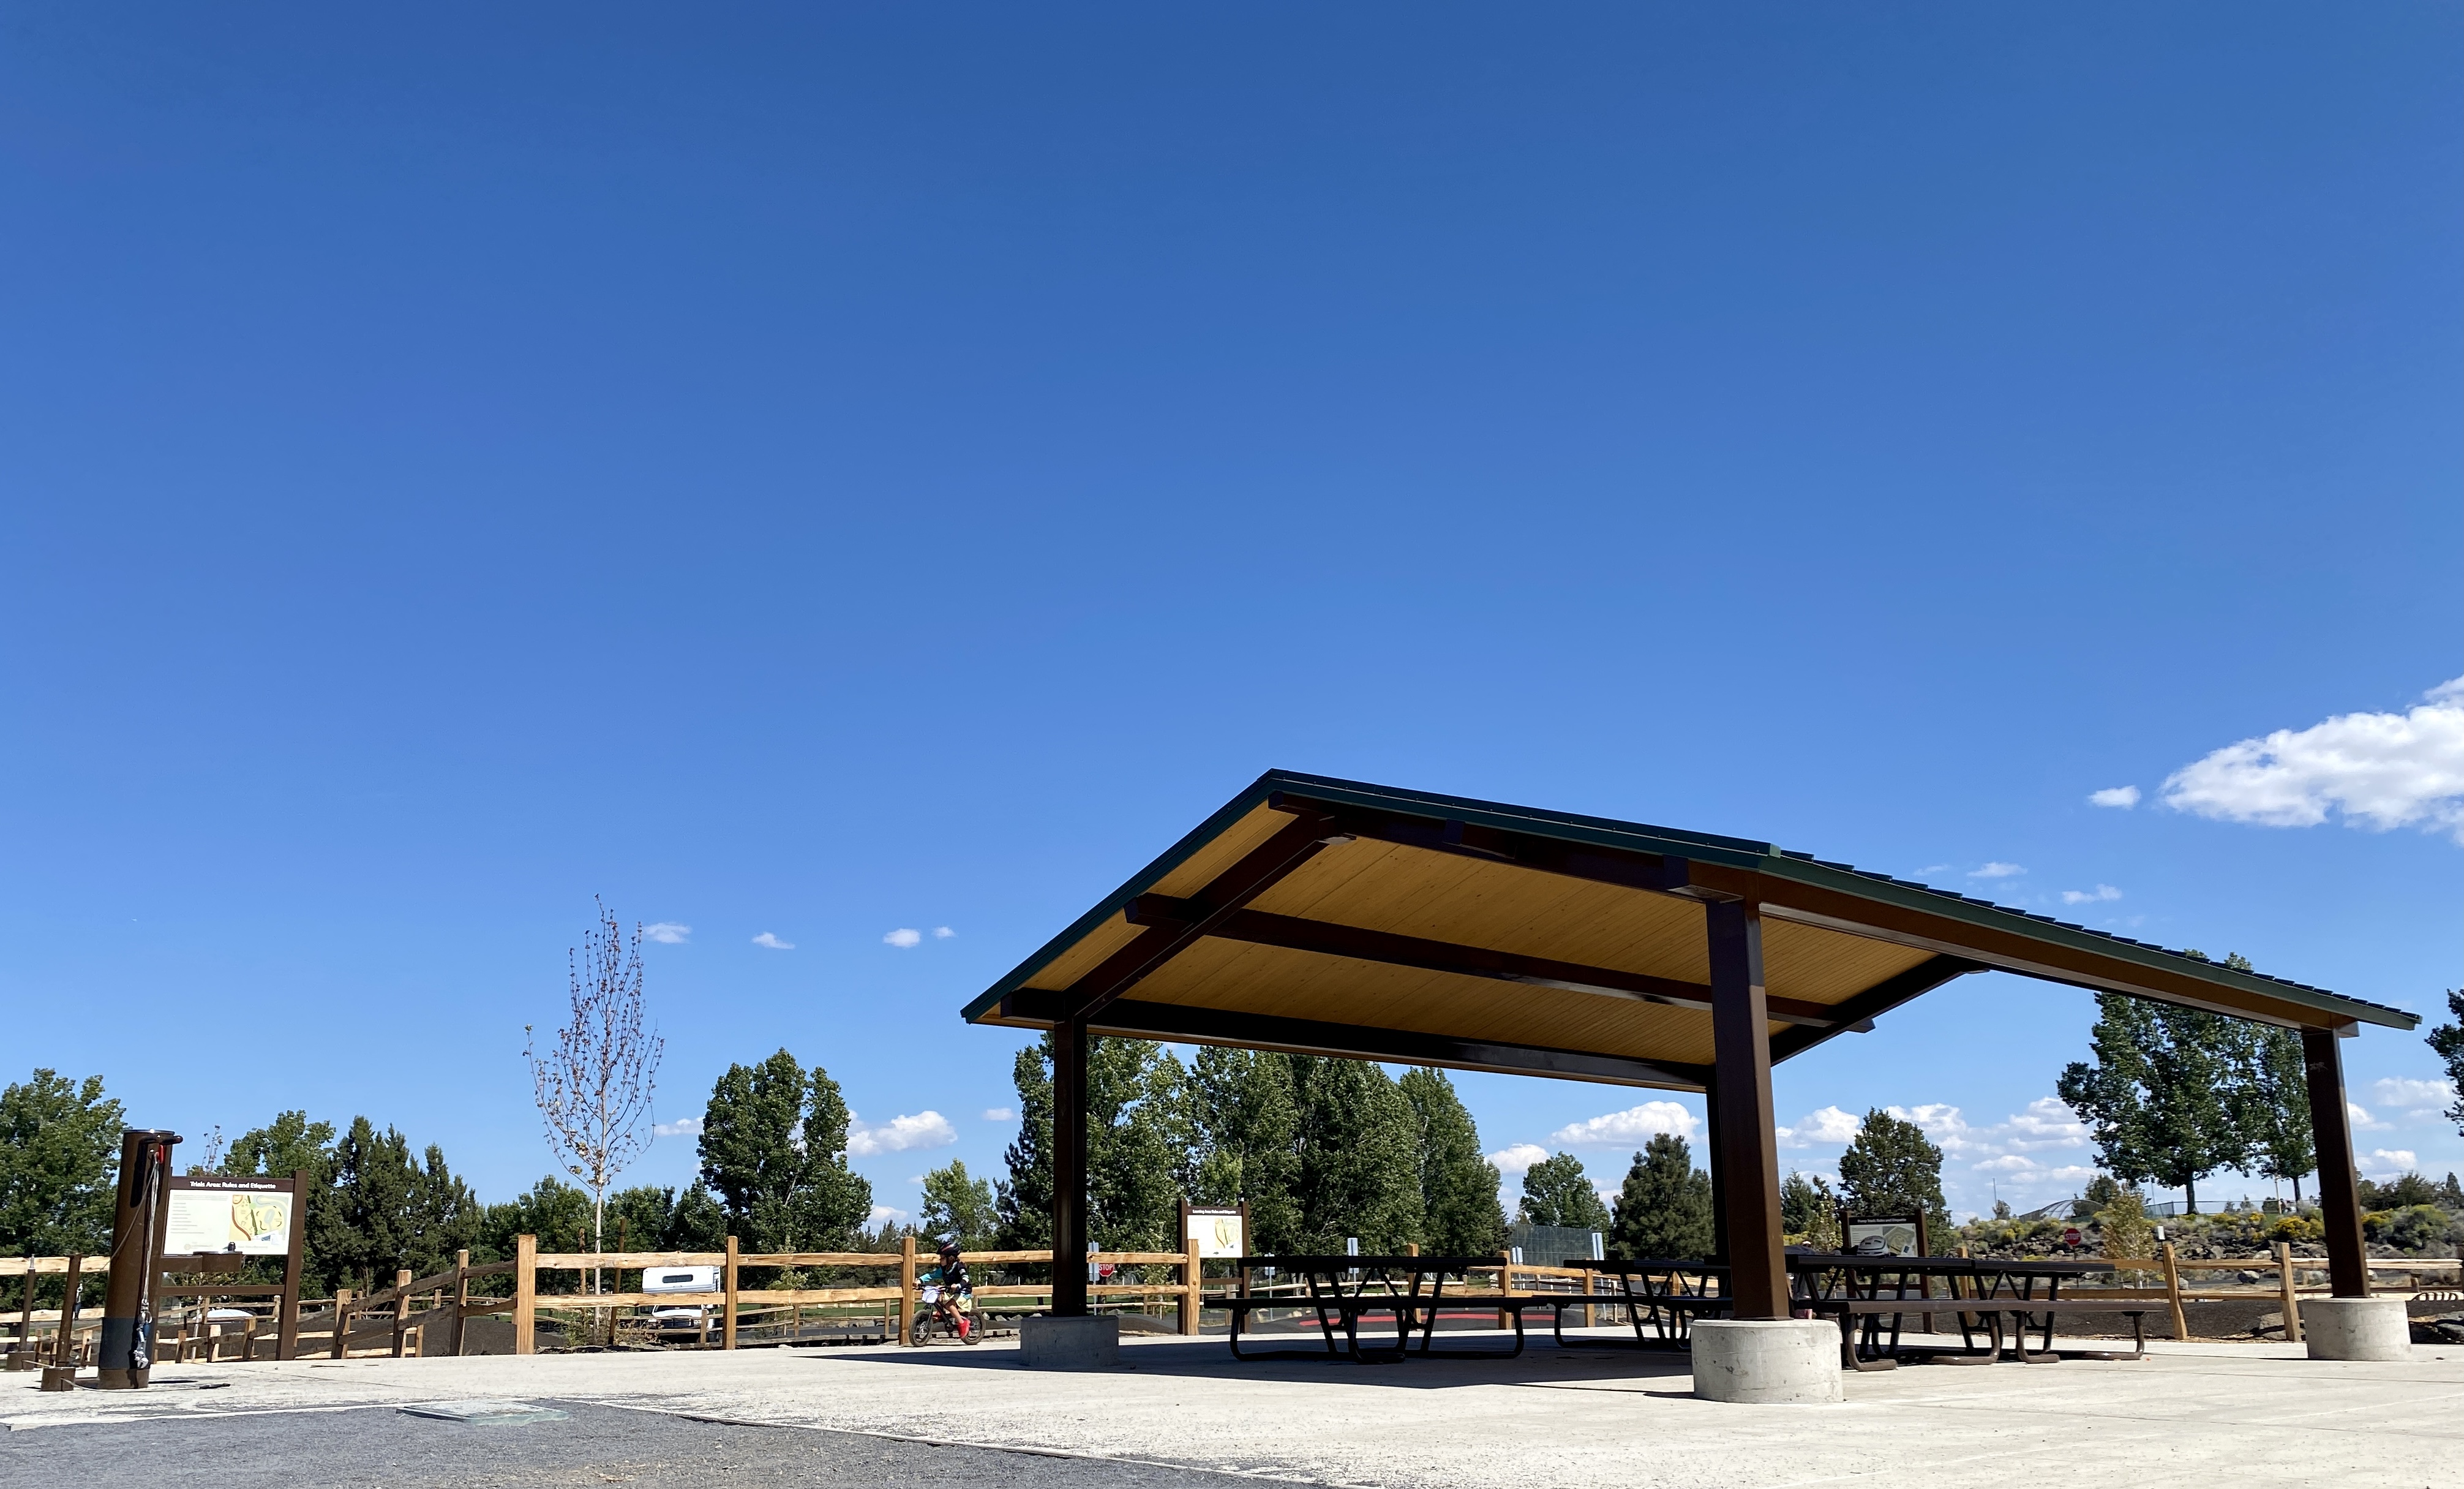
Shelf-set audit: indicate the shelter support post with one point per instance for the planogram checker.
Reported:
(2351, 1324)
(1069, 1169)
(1748, 1142)
(2340, 1201)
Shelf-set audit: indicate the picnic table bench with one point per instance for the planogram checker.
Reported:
(1340, 1291)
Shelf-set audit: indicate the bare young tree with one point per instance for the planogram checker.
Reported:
(594, 1083)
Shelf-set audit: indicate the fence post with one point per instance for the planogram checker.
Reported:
(727, 1308)
(2174, 1292)
(2291, 1304)
(65, 1340)
(1193, 1276)
(461, 1297)
(525, 1293)
(341, 1321)
(401, 1308)
(907, 1303)
(1506, 1285)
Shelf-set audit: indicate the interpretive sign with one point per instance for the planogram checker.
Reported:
(1219, 1231)
(244, 1217)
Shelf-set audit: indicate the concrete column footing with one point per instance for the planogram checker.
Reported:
(1093, 1342)
(2355, 1328)
(1767, 1362)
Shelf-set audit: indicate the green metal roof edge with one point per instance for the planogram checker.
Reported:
(1735, 852)
(1138, 883)
(2045, 930)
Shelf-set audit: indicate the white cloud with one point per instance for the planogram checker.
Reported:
(2389, 1161)
(942, 933)
(2361, 1118)
(2046, 1123)
(2422, 1100)
(1830, 1124)
(897, 1135)
(2377, 770)
(667, 933)
(2009, 1162)
(1997, 871)
(1634, 1124)
(881, 1212)
(998, 1114)
(1519, 1157)
(766, 938)
(2124, 796)
(2090, 896)
(681, 1127)
(904, 936)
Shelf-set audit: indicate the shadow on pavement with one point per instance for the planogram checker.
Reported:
(1543, 1363)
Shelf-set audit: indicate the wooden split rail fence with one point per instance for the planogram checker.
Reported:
(397, 1320)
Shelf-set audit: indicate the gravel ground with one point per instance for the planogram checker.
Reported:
(595, 1446)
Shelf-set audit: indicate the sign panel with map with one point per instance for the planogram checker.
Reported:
(242, 1217)
(1216, 1231)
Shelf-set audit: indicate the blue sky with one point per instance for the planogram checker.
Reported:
(817, 471)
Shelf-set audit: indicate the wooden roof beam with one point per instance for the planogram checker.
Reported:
(1880, 998)
(1293, 933)
(1189, 1024)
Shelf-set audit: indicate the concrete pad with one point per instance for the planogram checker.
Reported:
(1085, 1343)
(1767, 1362)
(2357, 1328)
(2252, 1415)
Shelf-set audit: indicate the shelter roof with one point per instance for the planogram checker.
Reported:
(1334, 916)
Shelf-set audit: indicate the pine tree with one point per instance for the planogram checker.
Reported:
(1808, 1207)
(2161, 1094)
(1557, 1192)
(1664, 1210)
(1459, 1212)
(1025, 1202)
(2448, 1041)
(1892, 1168)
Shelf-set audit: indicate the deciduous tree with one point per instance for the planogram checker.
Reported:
(1557, 1192)
(595, 1083)
(958, 1206)
(773, 1150)
(2159, 1095)
(60, 1159)
(1459, 1212)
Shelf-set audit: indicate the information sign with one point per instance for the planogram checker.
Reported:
(244, 1217)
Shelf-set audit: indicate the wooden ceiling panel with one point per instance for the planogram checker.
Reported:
(1445, 897)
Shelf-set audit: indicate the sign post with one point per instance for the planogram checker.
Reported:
(125, 1356)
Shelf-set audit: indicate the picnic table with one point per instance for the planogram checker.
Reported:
(1862, 1291)
(1341, 1291)
(1870, 1296)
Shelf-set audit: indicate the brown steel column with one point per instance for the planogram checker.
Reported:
(1748, 1142)
(1069, 1169)
(2340, 1201)
(1711, 1166)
